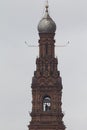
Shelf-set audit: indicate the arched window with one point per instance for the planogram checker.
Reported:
(46, 48)
(46, 103)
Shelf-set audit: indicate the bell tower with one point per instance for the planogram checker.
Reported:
(46, 83)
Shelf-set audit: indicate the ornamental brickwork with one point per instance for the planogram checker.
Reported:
(46, 88)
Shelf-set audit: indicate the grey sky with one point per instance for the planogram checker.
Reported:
(18, 23)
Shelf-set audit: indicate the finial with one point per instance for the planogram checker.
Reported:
(47, 6)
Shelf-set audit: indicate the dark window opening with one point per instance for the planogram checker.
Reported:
(46, 47)
(47, 104)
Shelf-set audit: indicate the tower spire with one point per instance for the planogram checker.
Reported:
(46, 24)
(46, 84)
(47, 6)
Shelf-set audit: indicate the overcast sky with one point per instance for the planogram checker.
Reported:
(18, 23)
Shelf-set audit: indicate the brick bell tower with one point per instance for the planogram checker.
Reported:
(46, 84)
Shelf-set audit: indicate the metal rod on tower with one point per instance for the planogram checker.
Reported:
(65, 45)
(30, 45)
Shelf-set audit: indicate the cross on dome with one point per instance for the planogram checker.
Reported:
(47, 6)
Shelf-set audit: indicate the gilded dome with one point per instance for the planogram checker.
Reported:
(46, 24)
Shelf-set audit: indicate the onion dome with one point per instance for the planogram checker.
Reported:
(46, 24)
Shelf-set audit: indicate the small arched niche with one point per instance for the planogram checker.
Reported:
(46, 103)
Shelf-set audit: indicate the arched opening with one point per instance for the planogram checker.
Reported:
(46, 103)
(46, 49)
